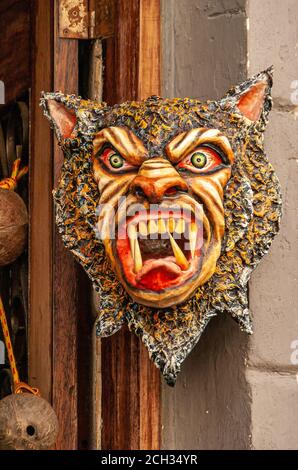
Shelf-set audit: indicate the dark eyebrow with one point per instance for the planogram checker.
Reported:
(185, 142)
(124, 141)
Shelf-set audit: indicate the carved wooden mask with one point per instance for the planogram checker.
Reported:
(169, 204)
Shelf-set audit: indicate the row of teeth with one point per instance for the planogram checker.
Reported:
(162, 226)
(159, 226)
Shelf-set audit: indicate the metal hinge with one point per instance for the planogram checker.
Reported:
(86, 19)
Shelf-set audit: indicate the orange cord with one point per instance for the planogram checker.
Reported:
(8, 344)
(16, 174)
(18, 387)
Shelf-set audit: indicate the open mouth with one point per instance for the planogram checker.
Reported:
(159, 250)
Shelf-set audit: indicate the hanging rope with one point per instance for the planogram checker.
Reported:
(18, 387)
(8, 344)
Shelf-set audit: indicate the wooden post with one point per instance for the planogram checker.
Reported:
(131, 383)
(40, 207)
(65, 273)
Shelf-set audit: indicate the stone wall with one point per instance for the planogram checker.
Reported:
(235, 391)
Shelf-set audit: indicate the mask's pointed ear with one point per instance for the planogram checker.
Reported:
(61, 110)
(252, 98)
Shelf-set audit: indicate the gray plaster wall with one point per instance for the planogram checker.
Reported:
(273, 39)
(234, 391)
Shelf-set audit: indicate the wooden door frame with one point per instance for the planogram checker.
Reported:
(131, 384)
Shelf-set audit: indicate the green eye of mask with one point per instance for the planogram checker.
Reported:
(116, 161)
(199, 159)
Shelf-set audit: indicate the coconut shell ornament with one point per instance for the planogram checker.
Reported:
(13, 226)
(27, 421)
(13, 218)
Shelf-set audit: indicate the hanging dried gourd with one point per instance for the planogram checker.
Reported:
(13, 217)
(27, 421)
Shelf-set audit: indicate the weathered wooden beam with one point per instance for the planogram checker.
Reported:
(149, 75)
(65, 273)
(40, 207)
(149, 49)
(101, 18)
(131, 383)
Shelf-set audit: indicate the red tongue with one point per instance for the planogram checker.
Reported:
(157, 279)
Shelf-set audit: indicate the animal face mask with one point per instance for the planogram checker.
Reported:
(168, 205)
